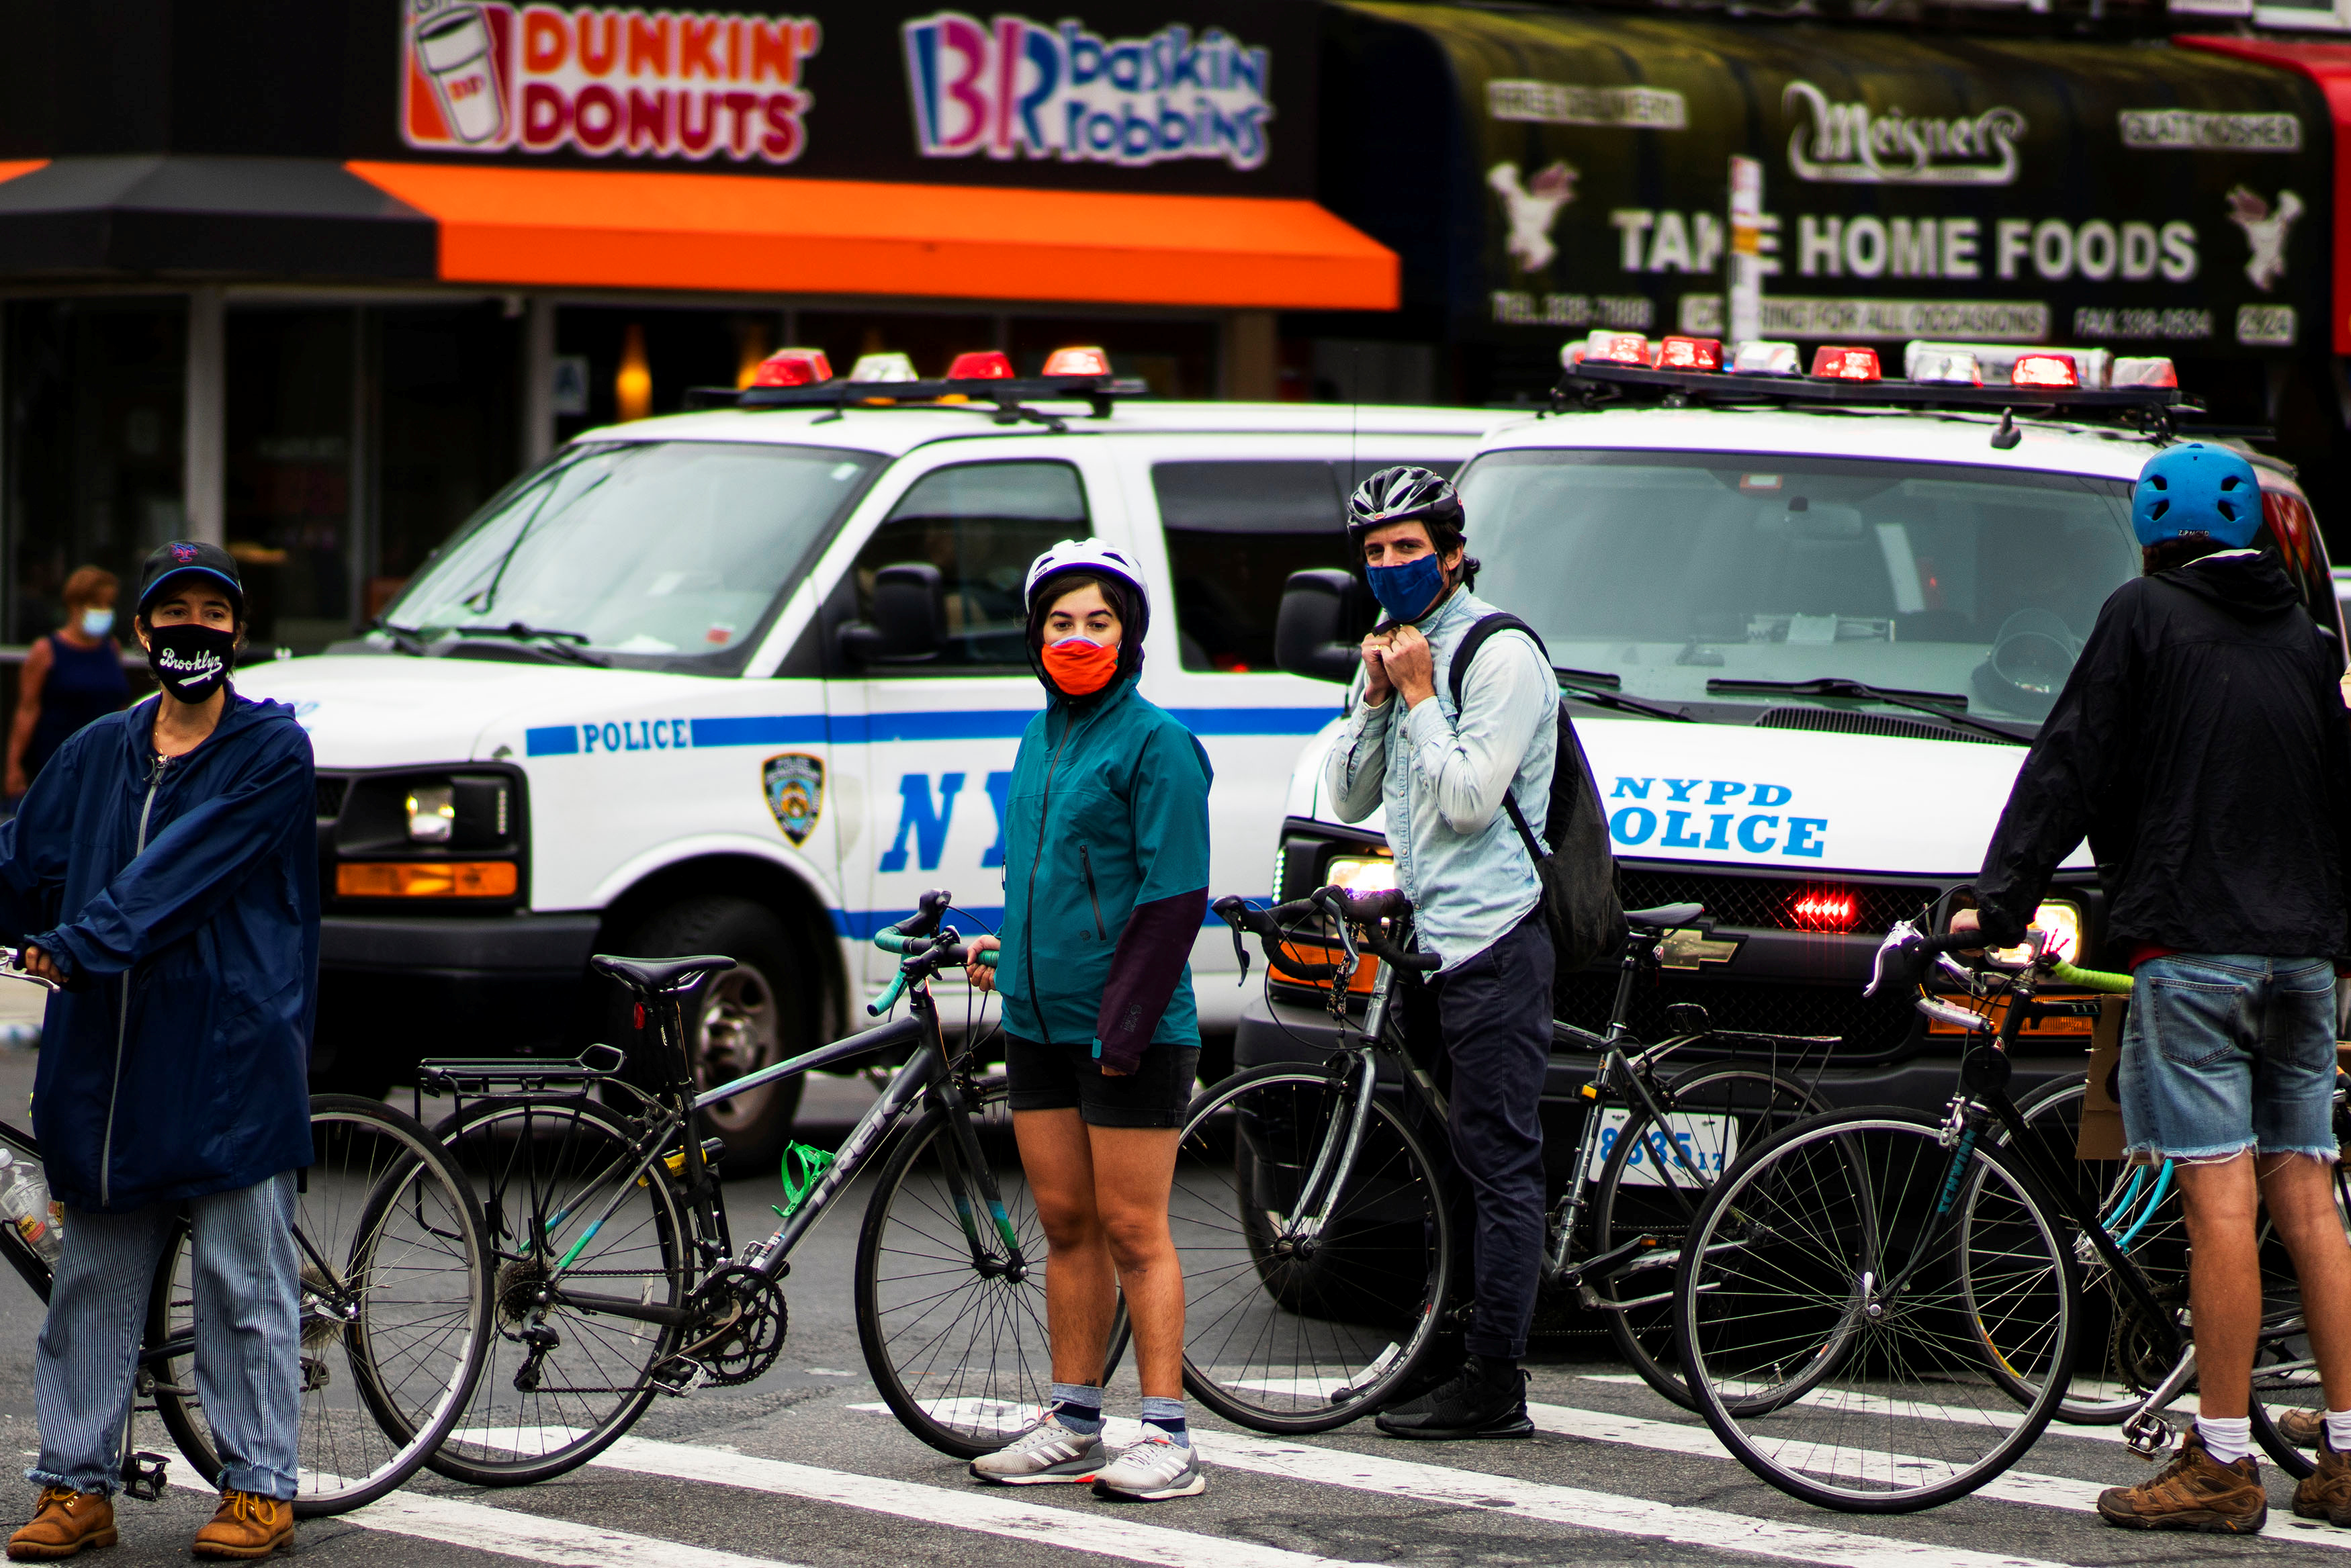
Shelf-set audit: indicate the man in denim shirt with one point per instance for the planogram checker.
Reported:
(1441, 774)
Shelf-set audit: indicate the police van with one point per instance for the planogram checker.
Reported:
(1808, 620)
(748, 680)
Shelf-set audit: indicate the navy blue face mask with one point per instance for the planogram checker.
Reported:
(1406, 592)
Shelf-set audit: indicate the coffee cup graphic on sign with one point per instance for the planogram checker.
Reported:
(453, 47)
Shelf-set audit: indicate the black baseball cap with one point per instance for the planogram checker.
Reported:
(180, 557)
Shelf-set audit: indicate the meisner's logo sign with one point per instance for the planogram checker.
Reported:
(481, 76)
(1851, 143)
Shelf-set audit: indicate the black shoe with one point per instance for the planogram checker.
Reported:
(1464, 1406)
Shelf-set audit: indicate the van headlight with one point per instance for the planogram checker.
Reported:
(432, 811)
(1361, 873)
(2063, 923)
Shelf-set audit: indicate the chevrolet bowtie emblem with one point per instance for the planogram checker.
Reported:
(1688, 949)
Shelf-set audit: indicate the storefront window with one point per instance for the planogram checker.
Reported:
(680, 348)
(288, 491)
(95, 391)
(449, 431)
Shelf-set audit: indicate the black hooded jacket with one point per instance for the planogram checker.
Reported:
(2202, 745)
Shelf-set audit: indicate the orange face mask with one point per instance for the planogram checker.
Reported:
(1080, 666)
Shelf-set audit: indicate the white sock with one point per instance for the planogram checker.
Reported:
(2338, 1430)
(2227, 1440)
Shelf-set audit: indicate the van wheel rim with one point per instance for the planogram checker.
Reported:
(740, 1036)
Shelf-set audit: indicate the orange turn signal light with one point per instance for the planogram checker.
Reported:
(426, 879)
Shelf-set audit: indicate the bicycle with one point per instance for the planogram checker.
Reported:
(392, 1322)
(617, 1281)
(1880, 1311)
(1314, 1207)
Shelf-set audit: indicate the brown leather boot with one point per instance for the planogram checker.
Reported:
(2192, 1492)
(247, 1525)
(64, 1522)
(2300, 1427)
(2326, 1492)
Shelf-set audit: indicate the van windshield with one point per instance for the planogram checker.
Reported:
(1669, 570)
(653, 555)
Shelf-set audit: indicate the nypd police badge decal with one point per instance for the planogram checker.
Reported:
(795, 785)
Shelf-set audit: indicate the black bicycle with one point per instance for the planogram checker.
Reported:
(392, 1320)
(615, 1281)
(1316, 1210)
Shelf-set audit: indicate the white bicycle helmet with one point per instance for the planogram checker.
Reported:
(1084, 555)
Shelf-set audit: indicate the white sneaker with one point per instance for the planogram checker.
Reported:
(1152, 1470)
(1046, 1452)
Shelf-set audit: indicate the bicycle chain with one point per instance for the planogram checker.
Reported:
(740, 1319)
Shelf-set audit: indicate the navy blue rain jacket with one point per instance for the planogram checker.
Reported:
(177, 1063)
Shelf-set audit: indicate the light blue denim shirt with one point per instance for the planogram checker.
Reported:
(1441, 776)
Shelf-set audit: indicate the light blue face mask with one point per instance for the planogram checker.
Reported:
(1406, 592)
(97, 622)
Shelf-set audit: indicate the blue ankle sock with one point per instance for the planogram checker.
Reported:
(1078, 1407)
(1166, 1416)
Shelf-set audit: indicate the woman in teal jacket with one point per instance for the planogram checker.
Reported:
(1106, 883)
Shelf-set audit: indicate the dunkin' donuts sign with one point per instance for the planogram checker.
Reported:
(482, 76)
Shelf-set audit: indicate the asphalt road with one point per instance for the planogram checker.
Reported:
(804, 1467)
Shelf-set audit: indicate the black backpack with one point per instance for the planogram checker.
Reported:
(1575, 862)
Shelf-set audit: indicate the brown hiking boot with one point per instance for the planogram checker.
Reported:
(2300, 1427)
(247, 1525)
(64, 1522)
(2326, 1492)
(2192, 1493)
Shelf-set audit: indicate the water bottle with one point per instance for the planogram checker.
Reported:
(25, 1207)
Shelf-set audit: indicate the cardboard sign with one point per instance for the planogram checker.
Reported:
(2101, 1135)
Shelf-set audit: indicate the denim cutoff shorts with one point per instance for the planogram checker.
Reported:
(2227, 1052)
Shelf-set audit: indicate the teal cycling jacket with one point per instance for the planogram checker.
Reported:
(1106, 877)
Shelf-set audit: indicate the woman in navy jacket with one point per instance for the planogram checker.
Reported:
(163, 867)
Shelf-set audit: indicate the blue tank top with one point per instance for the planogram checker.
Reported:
(83, 684)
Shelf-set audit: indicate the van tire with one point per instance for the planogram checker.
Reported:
(752, 1016)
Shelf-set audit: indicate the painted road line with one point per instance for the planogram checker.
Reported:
(1571, 1506)
(1850, 1401)
(534, 1537)
(989, 1512)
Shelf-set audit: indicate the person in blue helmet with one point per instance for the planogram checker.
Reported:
(2200, 744)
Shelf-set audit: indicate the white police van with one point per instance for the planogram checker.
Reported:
(749, 679)
(1809, 625)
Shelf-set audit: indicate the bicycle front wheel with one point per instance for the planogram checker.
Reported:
(1651, 1183)
(958, 1348)
(545, 1170)
(393, 1311)
(1828, 1329)
(1290, 1327)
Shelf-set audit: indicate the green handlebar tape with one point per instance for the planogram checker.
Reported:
(890, 942)
(2090, 978)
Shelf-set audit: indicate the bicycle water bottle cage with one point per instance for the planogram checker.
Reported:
(803, 1168)
(655, 977)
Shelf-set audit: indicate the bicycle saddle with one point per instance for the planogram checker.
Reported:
(1665, 917)
(653, 976)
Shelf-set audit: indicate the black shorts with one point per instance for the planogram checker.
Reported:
(1067, 1077)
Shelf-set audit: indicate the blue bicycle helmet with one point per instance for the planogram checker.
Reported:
(2193, 488)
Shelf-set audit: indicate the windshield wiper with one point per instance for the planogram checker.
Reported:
(564, 645)
(1599, 688)
(403, 637)
(1938, 703)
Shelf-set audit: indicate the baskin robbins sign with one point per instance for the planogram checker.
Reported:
(480, 76)
(1019, 89)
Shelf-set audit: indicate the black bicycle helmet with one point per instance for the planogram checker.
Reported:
(1405, 494)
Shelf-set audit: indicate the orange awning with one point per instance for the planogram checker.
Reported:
(638, 229)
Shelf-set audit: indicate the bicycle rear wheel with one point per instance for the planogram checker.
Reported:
(959, 1353)
(1286, 1331)
(1825, 1329)
(544, 1170)
(1647, 1194)
(393, 1311)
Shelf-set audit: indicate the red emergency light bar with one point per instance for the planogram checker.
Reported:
(984, 365)
(1689, 354)
(1824, 909)
(792, 368)
(1837, 363)
(2052, 370)
(1077, 362)
(1616, 349)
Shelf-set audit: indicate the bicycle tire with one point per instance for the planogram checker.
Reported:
(412, 1264)
(1773, 1256)
(929, 1382)
(536, 1164)
(1386, 1256)
(1644, 1334)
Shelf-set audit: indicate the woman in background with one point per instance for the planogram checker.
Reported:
(71, 676)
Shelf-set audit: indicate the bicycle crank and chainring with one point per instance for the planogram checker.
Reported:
(2137, 1351)
(739, 1324)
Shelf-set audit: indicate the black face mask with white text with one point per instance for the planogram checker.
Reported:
(189, 661)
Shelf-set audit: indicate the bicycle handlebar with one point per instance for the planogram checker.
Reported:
(925, 948)
(1348, 911)
(11, 967)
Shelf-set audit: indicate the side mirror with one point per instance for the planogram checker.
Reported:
(1315, 634)
(910, 618)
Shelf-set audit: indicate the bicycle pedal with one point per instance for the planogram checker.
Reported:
(679, 1376)
(143, 1476)
(2148, 1436)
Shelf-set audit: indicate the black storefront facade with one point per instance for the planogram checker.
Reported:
(314, 281)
